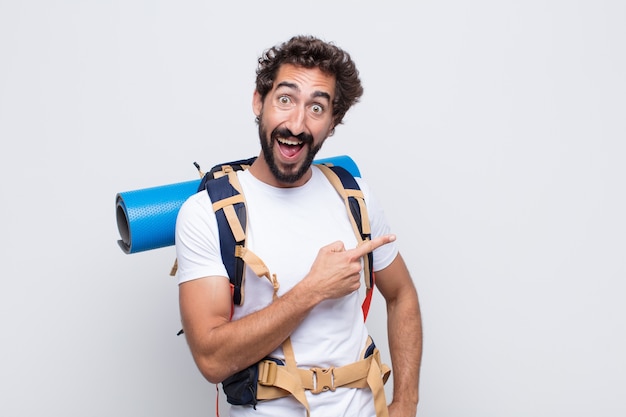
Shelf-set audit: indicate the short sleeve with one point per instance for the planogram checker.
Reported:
(197, 240)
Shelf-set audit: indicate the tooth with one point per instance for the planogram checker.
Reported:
(289, 142)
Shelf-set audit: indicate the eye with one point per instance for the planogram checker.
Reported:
(284, 100)
(317, 109)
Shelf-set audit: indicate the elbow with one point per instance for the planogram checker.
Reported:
(213, 378)
(210, 360)
(212, 370)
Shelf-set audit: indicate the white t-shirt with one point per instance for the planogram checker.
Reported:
(286, 229)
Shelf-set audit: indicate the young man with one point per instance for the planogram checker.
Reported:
(299, 227)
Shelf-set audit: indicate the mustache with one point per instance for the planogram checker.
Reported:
(283, 132)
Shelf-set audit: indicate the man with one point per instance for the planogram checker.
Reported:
(299, 228)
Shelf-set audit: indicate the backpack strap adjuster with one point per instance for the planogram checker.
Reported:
(267, 372)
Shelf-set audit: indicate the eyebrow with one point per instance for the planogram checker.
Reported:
(295, 87)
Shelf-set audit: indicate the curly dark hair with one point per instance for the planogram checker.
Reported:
(311, 52)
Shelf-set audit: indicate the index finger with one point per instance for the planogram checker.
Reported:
(369, 245)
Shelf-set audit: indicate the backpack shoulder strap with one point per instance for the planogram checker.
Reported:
(229, 205)
(352, 195)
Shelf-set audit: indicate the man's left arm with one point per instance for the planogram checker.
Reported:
(404, 328)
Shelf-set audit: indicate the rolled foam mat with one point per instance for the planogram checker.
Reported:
(146, 218)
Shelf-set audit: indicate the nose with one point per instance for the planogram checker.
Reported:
(296, 120)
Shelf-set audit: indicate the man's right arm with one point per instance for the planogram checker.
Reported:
(206, 304)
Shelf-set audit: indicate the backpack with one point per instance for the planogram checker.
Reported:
(222, 184)
(229, 205)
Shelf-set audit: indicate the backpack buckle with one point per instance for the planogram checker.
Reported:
(323, 379)
(267, 372)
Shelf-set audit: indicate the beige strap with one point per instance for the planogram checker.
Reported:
(227, 204)
(239, 233)
(235, 224)
(234, 180)
(225, 170)
(258, 267)
(358, 194)
(316, 380)
(297, 390)
(174, 268)
(229, 201)
(375, 382)
(345, 193)
(276, 381)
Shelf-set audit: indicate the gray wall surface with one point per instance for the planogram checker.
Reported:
(494, 133)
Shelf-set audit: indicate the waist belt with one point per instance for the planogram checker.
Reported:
(276, 381)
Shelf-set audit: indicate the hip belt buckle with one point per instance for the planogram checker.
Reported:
(323, 379)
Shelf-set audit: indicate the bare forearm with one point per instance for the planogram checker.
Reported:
(253, 337)
(405, 343)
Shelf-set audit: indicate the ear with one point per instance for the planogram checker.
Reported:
(332, 130)
(257, 103)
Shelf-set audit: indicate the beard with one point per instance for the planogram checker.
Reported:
(289, 173)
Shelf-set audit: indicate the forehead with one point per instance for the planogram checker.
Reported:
(308, 81)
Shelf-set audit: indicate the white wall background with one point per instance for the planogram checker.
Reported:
(494, 132)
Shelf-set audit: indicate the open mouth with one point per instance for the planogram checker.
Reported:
(289, 147)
